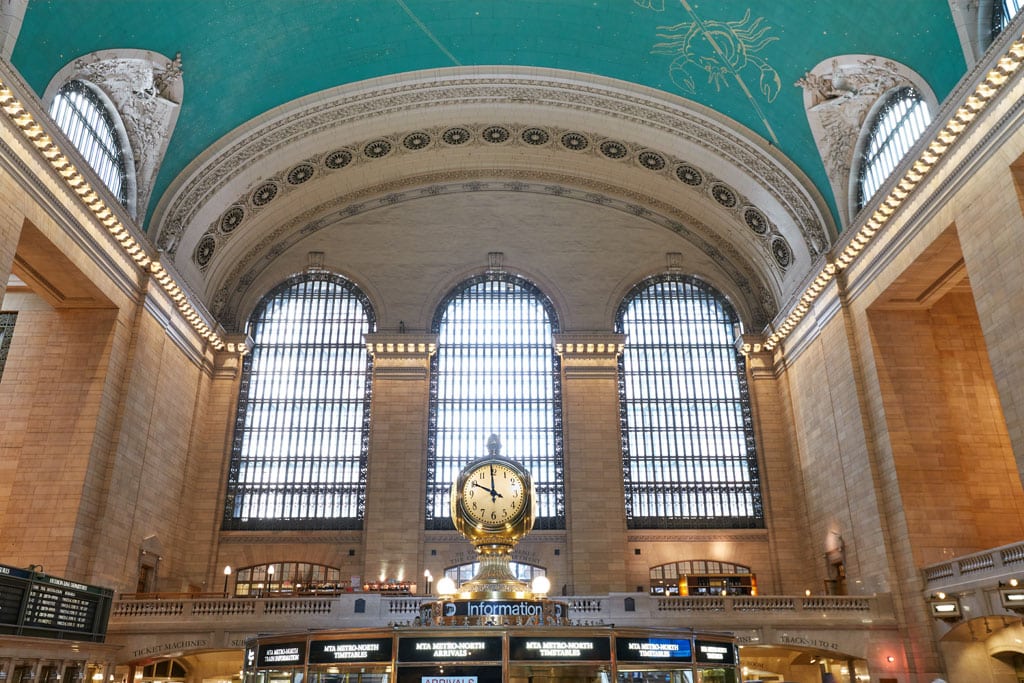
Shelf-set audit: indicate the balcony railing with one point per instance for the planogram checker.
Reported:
(985, 566)
(139, 614)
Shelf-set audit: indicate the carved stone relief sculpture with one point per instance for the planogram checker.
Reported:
(146, 90)
(839, 93)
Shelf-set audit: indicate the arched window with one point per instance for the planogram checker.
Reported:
(83, 116)
(523, 571)
(298, 460)
(289, 578)
(495, 372)
(897, 125)
(688, 445)
(169, 670)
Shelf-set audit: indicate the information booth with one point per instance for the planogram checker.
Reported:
(537, 654)
(494, 628)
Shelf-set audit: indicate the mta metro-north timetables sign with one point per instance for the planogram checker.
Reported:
(43, 606)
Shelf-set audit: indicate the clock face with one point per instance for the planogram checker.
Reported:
(493, 494)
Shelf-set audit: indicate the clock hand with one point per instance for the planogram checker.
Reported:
(494, 494)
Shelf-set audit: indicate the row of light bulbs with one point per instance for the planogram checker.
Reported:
(78, 184)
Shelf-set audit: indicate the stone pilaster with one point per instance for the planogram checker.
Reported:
(593, 461)
(396, 463)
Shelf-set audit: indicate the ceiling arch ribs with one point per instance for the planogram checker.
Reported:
(646, 151)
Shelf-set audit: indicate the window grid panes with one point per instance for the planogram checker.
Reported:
(523, 571)
(689, 458)
(84, 118)
(1003, 12)
(495, 372)
(299, 454)
(289, 578)
(897, 126)
(7, 320)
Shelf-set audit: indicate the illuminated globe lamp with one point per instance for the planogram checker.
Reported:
(493, 505)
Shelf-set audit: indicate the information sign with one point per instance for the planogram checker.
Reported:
(281, 654)
(563, 649)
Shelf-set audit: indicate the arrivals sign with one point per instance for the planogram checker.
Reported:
(564, 649)
(465, 649)
(341, 651)
(652, 649)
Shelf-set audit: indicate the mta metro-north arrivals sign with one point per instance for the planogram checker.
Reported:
(42, 606)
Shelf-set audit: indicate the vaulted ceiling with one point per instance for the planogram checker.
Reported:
(676, 119)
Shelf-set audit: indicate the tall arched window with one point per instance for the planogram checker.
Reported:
(298, 460)
(897, 125)
(83, 116)
(495, 372)
(689, 459)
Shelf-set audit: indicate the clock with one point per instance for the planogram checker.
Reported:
(494, 494)
(493, 501)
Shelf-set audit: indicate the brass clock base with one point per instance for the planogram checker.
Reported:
(494, 580)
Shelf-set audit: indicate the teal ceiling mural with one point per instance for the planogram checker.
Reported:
(241, 58)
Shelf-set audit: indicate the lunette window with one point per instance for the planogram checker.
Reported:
(87, 123)
(897, 125)
(298, 459)
(495, 372)
(689, 459)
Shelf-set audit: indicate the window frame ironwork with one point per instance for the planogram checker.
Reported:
(231, 521)
(94, 133)
(550, 487)
(671, 463)
(8, 319)
(892, 134)
(1003, 12)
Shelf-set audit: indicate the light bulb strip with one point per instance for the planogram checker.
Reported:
(957, 124)
(66, 171)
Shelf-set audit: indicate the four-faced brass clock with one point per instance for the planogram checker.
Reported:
(494, 493)
(493, 500)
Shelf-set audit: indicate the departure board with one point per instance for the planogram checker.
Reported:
(44, 606)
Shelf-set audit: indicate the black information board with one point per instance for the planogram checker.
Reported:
(714, 652)
(653, 649)
(43, 606)
(467, 649)
(350, 650)
(282, 654)
(562, 649)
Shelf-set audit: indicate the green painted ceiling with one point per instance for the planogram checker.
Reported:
(243, 57)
